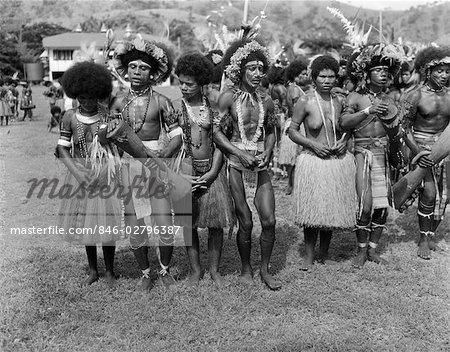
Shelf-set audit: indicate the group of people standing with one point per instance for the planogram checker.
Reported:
(11, 102)
(225, 141)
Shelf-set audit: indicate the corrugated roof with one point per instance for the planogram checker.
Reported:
(72, 40)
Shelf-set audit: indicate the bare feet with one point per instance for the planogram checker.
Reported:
(373, 256)
(424, 249)
(166, 279)
(432, 244)
(217, 278)
(246, 277)
(146, 284)
(289, 191)
(307, 263)
(110, 279)
(194, 279)
(361, 257)
(93, 276)
(270, 281)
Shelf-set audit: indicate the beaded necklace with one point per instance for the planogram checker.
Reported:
(250, 144)
(427, 86)
(187, 127)
(82, 144)
(324, 121)
(134, 96)
(200, 120)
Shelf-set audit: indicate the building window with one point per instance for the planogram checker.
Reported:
(62, 55)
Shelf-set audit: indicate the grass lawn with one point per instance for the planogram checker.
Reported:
(404, 306)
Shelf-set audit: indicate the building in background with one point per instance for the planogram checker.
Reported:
(60, 50)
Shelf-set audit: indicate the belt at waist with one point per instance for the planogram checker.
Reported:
(371, 142)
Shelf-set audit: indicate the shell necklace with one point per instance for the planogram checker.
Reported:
(324, 120)
(134, 96)
(250, 144)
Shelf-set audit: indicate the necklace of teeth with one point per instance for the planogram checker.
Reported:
(250, 144)
(203, 116)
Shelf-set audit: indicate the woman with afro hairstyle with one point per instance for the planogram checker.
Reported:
(90, 213)
(324, 191)
(426, 115)
(250, 118)
(212, 203)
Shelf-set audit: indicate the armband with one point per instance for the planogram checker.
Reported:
(366, 111)
(64, 143)
(177, 131)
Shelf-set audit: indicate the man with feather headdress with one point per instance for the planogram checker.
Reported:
(247, 118)
(372, 116)
(152, 118)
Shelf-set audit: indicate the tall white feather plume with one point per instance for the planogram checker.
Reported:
(355, 34)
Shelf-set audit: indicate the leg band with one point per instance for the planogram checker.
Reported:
(146, 273)
(373, 245)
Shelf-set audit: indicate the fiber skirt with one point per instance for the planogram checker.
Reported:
(324, 191)
(214, 207)
(89, 218)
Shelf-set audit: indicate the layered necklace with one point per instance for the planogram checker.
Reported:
(86, 120)
(427, 85)
(332, 119)
(203, 118)
(131, 97)
(250, 144)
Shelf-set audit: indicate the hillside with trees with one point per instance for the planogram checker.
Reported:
(23, 24)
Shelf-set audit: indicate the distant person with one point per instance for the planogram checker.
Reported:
(55, 116)
(27, 105)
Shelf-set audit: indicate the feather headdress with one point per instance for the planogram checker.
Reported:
(355, 33)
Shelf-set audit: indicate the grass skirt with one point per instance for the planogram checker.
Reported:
(288, 149)
(214, 206)
(324, 191)
(93, 219)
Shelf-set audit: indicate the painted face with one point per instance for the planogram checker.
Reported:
(439, 75)
(139, 73)
(302, 78)
(253, 73)
(87, 103)
(379, 75)
(189, 87)
(406, 75)
(325, 80)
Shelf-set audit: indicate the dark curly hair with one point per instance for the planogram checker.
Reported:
(87, 78)
(195, 65)
(253, 56)
(428, 54)
(322, 63)
(295, 68)
(218, 69)
(275, 74)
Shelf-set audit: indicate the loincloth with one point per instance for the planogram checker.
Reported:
(143, 181)
(249, 176)
(377, 168)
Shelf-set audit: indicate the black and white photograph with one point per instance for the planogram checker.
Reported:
(225, 175)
